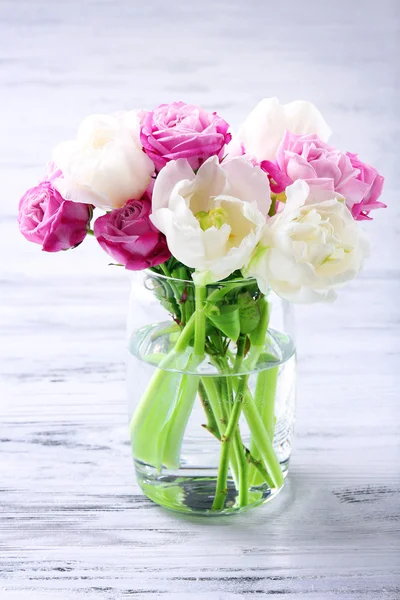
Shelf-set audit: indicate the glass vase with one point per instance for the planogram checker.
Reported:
(211, 388)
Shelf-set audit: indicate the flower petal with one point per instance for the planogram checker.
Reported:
(303, 117)
(263, 129)
(247, 182)
(174, 172)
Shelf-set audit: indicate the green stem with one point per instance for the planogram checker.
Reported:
(241, 480)
(238, 467)
(241, 343)
(188, 388)
(264, 399)
(165, 270)
(212, 424)
(258, 338)
(171, 329)
(200, 322)
(253, 447)
(249, 457)
(185, 300)
(220, 293)
(175, 297)
(215, 403)
(156, 405)
(262, 441)
(258, 465)
(185, 337)
(214, 430)
(219, 402)
(243, 468)
(148, 422)
(221, 488)
(182, 409)
(237, 443)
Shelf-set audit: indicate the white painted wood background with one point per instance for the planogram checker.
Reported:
(73, 524)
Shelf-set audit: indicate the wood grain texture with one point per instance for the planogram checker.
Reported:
(73, 524)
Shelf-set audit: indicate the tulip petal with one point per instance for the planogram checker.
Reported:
(217, 251)
(263, 129)
(174, 172)
(303, 117)
(248, 183)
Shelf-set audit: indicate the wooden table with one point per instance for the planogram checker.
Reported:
(73, 523)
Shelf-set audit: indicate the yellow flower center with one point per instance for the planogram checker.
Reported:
(281, 197)
(216, 217)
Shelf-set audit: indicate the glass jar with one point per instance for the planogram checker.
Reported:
(211, 388)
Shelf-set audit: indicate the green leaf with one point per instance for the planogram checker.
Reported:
(267, 357)
(249, 313)
(165, 296)
(225, 318)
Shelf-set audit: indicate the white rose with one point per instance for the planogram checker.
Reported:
(213, 219)
(309, 249)
(105, 164)
(265, 126)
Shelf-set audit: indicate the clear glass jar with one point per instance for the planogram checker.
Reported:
(212, 413)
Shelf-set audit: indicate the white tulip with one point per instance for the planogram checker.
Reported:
(105, 165)
(213, 219)
(310, 248)
(264, 128)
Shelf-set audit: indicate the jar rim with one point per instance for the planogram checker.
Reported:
(239, 280)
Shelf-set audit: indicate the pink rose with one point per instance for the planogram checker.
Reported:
(128, 235)
(52, 172)
(45, 218)
(307, 157)
(180, 130)
(370, 176)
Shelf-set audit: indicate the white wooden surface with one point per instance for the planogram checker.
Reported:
(73, 524)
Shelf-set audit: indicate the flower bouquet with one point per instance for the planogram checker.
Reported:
(228, 232)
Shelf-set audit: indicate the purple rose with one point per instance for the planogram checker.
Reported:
(180, 130)
(307, 157)
(45, 218)
(128, 235)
